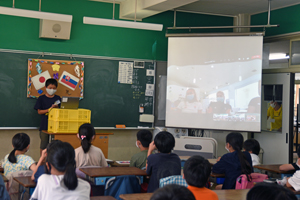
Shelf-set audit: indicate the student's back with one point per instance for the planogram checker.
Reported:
(144, 138)
(62, 183)
(17, 160)
(230, 166)
(52, 187)
(164, 163)
(196, 172)
(87, 154)
(253, 147)
(235, 163)
(94, 157)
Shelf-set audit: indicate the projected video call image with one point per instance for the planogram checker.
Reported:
(215, 88)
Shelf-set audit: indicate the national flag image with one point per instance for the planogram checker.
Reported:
(68, 80)
(40, 80)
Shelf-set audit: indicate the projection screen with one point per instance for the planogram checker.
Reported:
(214, 83)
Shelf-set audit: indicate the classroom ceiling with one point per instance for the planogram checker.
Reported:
(219, 7)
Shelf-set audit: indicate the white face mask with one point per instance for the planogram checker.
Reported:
(226, 148)
(136, 144)
(50, 91)
(272, 105)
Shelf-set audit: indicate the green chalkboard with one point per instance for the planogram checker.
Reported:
(111, 102)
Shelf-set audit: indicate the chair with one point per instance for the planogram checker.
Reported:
(13, 187)
(118, 185)
(178, 180)
(243, 183)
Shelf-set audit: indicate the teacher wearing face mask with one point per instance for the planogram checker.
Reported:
(190, 104)
(219, 107)
(275, 115)
(43, 105)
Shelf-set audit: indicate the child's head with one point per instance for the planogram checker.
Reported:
(86, 133)
(196, 171)
(234, 141)
(20, 142)
(51, 85)
(173, 192)
(164, 142)
(61, 156)
(144, 138)
(252, 146)
(269, 191)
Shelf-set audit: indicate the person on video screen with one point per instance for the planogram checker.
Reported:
(219, 107)
(275, 115)
(254, 104)
(190, 104)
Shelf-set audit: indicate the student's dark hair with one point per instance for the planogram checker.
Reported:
(20, 141)
(270, 191)
(51, 81)
(252, 145)
(145, 137)
(86, 133)
(61, 156)
(173, 192)
(48, 171)
(196, 171)
(236, 141)
(164, 142)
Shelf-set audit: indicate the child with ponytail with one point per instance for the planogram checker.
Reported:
(87, 154)
(17, 160)
(234, 163)
(62, 182)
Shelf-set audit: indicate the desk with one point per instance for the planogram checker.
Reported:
(274, 169)
(25, 183)
(100, 141)
(222, 194)
(115, 164)
(102, 198)
(100, 175)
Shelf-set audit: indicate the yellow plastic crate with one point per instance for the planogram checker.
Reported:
(55, 126)
(70, 115)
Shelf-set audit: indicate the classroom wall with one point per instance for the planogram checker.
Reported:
(288, 18)
(23, 33)
(121, 145)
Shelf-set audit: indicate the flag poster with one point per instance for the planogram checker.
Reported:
(68, 74)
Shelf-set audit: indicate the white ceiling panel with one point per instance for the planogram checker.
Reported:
(234, 7)
(221, 7)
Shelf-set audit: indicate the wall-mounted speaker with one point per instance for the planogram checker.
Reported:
(55, 29)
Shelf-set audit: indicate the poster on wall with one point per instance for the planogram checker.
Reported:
(69, 76)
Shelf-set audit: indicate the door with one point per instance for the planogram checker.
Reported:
(276, 137)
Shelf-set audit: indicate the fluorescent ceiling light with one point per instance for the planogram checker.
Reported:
(278, 56)
(122, 24)
(35, 14)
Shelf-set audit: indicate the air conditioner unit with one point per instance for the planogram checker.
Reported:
(55, 29)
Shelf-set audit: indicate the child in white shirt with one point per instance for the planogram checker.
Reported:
(62, 183)
(253, 147)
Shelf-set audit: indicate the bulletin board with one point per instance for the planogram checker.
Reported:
(69, 76)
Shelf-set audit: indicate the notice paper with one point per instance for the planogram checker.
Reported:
(125, 72)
